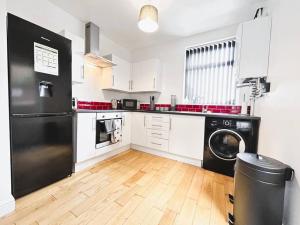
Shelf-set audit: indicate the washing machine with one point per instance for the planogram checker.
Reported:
(225, 138)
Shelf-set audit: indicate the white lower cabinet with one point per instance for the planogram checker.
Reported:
(86, 136)
(126, 128)
(180, 135)
(138, 129)
(158, 143)
(158, 126)
(187, 136)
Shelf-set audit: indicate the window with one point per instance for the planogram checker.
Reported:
(209, 74)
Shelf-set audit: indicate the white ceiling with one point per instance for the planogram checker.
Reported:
(177, 18)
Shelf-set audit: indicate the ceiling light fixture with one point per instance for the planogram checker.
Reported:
(148, 19)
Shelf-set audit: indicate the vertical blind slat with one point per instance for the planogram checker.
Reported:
(209, 74)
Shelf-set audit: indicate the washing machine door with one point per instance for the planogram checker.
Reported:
(226, 144)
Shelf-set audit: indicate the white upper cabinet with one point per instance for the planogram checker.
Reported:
(146, 76)
(77, 56)
(253, 48)
(187, 136)
(117, 77)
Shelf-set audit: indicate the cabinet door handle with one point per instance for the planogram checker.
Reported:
(170, 124)
(157, 117)
(156, 134)
(123, 121)
(154, 82)
(129, 85)
(156, 143)
(113, 80)
(153, 125)
(144, 121)
(82, 72)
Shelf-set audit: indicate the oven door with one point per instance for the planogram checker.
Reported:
(103, 138)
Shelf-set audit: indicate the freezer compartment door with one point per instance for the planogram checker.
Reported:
(41, 150)
(39, 65)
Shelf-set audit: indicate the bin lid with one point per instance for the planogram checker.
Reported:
(263, 163)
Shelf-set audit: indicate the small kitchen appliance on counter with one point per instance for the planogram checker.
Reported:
(173, 103)
(129, 104)
(74, 103)
(119, 104)
(114, 104)
(152, 103)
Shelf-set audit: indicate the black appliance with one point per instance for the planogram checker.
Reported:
(119, 104)
(259, 190)
(40, 92)
(152, 103)
(224, 139)
(129, 104)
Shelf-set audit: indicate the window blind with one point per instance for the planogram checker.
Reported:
(209, 74)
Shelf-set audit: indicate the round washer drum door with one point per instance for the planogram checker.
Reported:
(226, 144)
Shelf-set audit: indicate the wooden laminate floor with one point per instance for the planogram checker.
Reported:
(133, 188)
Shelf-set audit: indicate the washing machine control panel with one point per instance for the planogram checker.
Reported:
(222, 123)
(227, 123)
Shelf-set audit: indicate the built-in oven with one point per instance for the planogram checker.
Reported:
(108, 129)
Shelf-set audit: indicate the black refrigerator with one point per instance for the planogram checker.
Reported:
(40, 92)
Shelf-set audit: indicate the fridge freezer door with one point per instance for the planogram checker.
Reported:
(33, 89)
(41, 152)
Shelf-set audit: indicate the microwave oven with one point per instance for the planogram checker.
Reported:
(130, 104)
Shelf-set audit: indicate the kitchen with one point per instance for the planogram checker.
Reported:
(163, 142)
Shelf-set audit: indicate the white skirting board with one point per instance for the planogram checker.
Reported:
(7, 206)
(88, 163)
(168, 155)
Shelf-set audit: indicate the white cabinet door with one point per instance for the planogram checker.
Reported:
(138, 129)
(117, 77)
(126, 129)
(86, 136)
(254, 37)
(77, 68)
(146, 76)
(187, 136)
(77, 56)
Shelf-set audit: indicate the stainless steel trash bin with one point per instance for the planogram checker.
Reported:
(259, 190)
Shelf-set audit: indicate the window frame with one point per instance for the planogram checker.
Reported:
(217, 41)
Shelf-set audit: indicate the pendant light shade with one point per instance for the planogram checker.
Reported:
(148, 19)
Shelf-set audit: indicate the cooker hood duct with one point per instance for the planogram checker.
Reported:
(92, 52)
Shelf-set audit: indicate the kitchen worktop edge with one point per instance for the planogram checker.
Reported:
(216, 115)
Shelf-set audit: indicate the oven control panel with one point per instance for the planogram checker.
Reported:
(106, 116)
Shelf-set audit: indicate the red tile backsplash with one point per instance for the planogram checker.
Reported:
(188, 108)
(198, 108)
(94, 105)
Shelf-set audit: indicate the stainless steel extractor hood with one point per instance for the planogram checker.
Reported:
(92, 53)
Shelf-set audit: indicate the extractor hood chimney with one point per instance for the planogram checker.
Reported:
(92, 52)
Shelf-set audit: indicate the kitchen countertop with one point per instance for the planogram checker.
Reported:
(216, 115)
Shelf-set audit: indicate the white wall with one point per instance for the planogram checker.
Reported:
(47, 15)
(172, 56)
(6, 199)
(280, 110)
